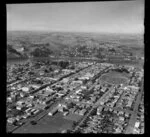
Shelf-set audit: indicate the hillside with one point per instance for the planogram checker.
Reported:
(63, 43)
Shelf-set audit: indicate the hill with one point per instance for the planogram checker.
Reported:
(63, 43)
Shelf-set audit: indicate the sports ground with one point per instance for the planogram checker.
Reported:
(114, 77)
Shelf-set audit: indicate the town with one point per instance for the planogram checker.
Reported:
(75, 67)
(74, 97)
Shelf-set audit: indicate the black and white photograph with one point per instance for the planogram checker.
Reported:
(75, 67)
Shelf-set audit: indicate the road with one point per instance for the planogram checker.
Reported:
(132, 120)
(42, 114)
(62, 100)
(93, 107)
(48, 84)
(133, 113)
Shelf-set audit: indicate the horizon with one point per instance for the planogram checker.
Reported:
(97, 33)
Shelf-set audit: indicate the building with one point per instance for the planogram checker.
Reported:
(137, 124)
(11, 120)
(65, 113)
(35, 112)
(25, 89)
(53, 111)
(82, 112)
(99, 109)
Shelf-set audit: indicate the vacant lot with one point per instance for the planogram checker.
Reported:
(73, 117)
(49, 124)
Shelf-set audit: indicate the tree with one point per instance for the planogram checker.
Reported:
(74, 124)
(41, 52)
(64, 64)
(112, 50)
(100, 54)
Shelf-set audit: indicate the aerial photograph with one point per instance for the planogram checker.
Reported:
(75, 67)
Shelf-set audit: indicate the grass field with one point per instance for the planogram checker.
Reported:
(73, 117)
(115, 78)
(49, 124)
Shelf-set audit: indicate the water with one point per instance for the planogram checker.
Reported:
(16, 61)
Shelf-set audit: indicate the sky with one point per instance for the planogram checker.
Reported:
(100, 17)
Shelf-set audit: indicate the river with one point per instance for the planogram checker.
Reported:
(19, 61)
(16, 61)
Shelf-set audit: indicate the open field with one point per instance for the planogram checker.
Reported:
(47, 125)
(114, 78)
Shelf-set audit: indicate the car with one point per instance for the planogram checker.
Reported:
(33, 122)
